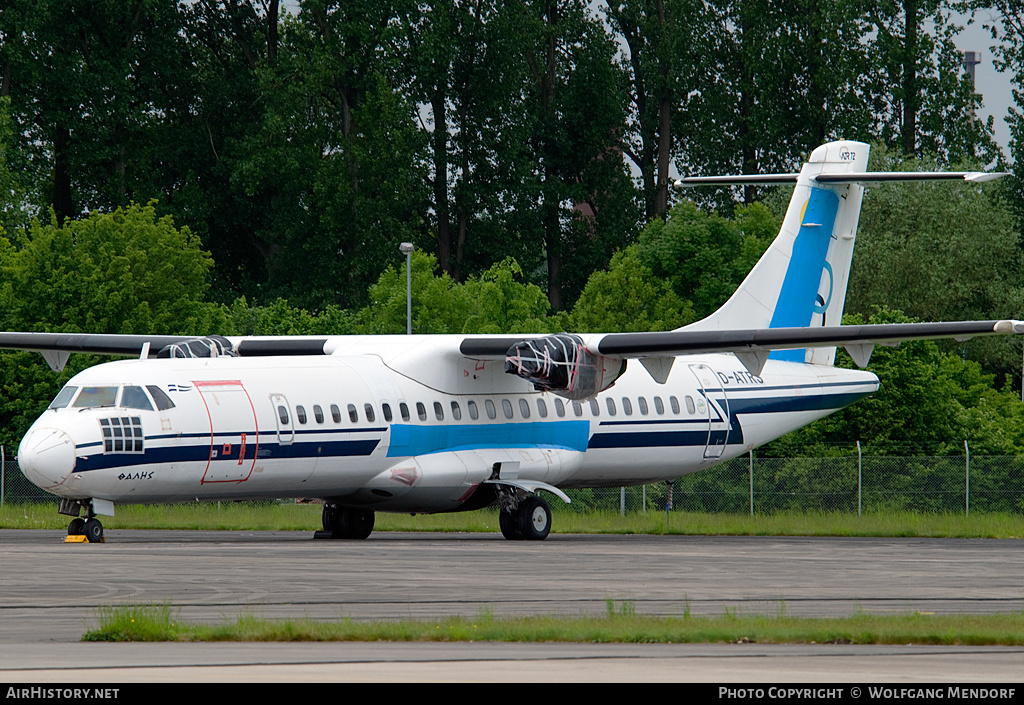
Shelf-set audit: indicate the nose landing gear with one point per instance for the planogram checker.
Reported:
(80, 530)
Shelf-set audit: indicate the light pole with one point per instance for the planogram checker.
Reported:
(407, 248)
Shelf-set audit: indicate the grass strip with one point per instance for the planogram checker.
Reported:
(619, 625)
(245, 516)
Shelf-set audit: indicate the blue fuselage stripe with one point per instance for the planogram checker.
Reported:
(807, 262)
(409, 439)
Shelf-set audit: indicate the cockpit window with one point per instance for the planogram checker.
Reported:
(135, 398)
(163, 402)
(92, 397)
(63, 398)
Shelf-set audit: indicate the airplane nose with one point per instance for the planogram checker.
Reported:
(46, 457)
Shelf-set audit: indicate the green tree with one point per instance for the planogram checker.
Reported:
(628, 297)
(788, 77)
(279, 318)
(923, 100)
(497, 301)
(940, 251)
(129, 271)
(666, 40)
(702, 256)
(586, 204)
(86, 82)
(928, 402)
(12, 192)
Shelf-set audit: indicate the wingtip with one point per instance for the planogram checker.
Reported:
(1009, 326)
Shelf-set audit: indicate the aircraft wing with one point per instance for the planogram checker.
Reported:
(704, 341)
(56, 347)
(751, 347)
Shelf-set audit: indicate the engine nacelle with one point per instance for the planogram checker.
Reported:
(210, 346)
(561, 364)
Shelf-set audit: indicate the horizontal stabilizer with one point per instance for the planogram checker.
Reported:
(868, 177)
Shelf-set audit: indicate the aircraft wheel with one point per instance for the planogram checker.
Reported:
(356, 523)
(329, 517)
(76, 527)
(509, 524)
(348, 523)
(534, 516)
(94, 531)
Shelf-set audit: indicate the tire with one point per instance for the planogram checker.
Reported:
(94, 531)
(509, 524)
(534, 517)
(353, 523)
(329, 518)
(76, 527)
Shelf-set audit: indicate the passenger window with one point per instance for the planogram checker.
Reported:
(135, 398)
(577, 408)
(318, 413)
(595, 409)
(610, 403)
(524, 408)
(282, 414)
(163, 402)
(627, 406)
(300, 414)
(386, 408)
(643, 405)
(542, 408)
(674, 403)
(659, 405)
(335, 413)
(474, 413)
(368, 408)
(689, 405)
(506, 406)
(456, 411)
(559, 407)
(353, 415)
(404, 409)
(491, 412)
(421, 411)
(63, 398)
(438, 411)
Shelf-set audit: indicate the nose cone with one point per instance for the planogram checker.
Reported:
(46, 457)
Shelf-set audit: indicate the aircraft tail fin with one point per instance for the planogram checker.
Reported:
(801, 279)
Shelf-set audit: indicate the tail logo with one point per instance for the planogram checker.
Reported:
(827, 299)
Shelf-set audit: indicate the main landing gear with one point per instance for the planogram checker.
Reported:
(520, 518)
(345, 523)
(90, 527)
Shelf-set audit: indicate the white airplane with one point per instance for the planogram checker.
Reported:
(445, 423)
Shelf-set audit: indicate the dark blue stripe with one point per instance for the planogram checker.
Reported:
(201, 453)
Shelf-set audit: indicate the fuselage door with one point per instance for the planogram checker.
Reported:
(234, 438)
(283, 417)
(716, 407)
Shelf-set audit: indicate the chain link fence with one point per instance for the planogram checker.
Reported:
(748, 484)
(751, 485)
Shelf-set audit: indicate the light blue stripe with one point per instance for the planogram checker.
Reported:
(409, 439)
